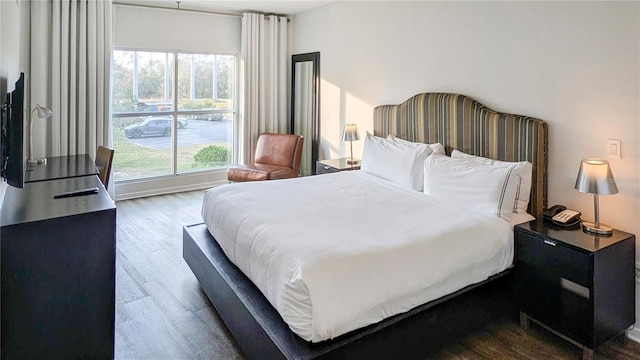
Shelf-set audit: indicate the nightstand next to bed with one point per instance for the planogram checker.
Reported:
(578, 285)
(335, 165)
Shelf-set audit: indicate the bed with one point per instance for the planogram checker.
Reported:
(410, 329)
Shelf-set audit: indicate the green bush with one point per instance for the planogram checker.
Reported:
(213, 155)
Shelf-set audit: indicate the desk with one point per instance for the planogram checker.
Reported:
(57, 265)
(61, 167)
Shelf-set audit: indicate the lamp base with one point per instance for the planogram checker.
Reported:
(352, 162)
(37, 161)
(601, 230)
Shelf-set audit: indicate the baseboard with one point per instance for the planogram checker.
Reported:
(161, 185)
(168, 190)
(634, 334)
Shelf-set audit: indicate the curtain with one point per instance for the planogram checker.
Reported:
(71, 43)
(263, 78)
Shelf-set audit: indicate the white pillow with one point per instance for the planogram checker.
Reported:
(483, 187)
(523, 170)
(400, 164)
(436, 148)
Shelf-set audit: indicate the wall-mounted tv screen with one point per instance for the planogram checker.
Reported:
(12, 138)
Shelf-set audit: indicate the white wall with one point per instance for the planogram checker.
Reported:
(575, 65)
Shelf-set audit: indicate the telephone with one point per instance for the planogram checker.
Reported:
(562, 216)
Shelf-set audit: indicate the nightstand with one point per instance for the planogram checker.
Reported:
(335, 165)
(578, 285)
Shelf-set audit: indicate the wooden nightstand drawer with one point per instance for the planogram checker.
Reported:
(554, 258)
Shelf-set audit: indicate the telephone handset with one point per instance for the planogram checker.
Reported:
(552, 211)
(562, 216)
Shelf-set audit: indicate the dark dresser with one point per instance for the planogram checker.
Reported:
(58, 271)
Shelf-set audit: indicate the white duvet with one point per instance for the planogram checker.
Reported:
(334, 253)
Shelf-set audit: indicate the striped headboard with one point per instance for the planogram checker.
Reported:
(459, 122)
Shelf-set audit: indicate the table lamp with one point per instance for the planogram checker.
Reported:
(595, 177)
(42, 113)
(350, 134)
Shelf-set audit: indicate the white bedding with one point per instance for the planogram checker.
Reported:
(333, 253)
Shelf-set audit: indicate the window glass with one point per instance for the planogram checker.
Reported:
(205, 90)
(143, 147)
(205, 82)
(205, 144)
(154, 133)
(142, 82)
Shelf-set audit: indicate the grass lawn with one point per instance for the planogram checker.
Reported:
(132, 161)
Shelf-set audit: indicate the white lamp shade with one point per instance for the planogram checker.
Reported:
(42, 112)
(350, 133)
(595, 177)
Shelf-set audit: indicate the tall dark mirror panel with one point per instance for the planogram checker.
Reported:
(305, 106)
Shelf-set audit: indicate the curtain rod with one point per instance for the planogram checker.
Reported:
(190, 10)
(156, 7)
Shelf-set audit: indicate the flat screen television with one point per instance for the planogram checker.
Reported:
(12, 137)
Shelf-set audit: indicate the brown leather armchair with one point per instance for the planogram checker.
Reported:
(277, 157)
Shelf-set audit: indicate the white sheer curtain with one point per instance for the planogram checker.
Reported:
(71, 43)
(263, 78)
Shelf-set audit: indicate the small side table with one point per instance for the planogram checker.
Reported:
(579, 285)
(335, 165)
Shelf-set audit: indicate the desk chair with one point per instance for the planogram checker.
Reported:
(104, 157)
(277, 157)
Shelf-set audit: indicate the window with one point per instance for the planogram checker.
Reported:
(157, 133)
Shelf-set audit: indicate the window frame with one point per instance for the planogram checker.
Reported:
(156, 180)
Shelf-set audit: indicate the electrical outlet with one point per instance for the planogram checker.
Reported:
(613, 148)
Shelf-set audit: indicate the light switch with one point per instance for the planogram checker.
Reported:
(613, 148)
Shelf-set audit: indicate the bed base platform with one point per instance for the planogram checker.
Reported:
(262, 334)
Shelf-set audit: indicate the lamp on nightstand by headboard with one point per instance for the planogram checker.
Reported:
(595, 177)
(350, 134)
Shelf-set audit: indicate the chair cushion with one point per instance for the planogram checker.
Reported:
(276, 149)
(258, 172)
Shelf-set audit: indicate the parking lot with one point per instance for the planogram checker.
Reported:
(195, 133)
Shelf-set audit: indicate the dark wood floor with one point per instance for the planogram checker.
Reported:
(161, 313)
